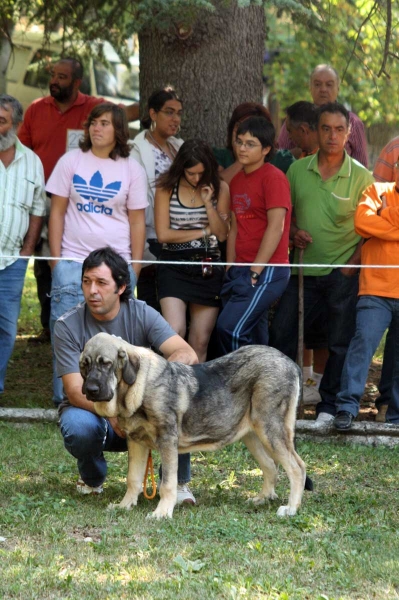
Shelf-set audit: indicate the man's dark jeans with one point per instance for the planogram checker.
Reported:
(337, 293)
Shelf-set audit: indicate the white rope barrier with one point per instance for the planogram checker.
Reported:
(230, 264)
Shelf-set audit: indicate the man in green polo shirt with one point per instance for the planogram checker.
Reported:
(325, 190)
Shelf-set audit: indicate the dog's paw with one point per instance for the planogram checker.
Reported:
(286, 511)
(160, 515)
(125, 504)
(113, 506)
(257, 500)
(261, 499)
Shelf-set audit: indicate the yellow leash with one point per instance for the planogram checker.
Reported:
(149, 470)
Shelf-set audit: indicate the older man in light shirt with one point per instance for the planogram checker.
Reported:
(22, 206)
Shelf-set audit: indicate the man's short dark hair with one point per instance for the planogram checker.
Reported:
(116, 263)
(262, 129)
(76, 66)
(334, 108)
(302, 112)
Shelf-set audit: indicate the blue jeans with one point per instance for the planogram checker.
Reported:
(87, 436)
(11, 285)
(244, 317)
(338, 294)
(66, 292)
(385, 385)
(374, 315)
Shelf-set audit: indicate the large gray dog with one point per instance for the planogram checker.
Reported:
(249, 395)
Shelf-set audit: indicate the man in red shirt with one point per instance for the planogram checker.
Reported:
(261, 212)
(52, 126)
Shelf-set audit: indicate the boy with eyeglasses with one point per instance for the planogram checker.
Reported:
(258, 238)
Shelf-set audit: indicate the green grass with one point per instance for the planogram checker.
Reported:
(344, 543)
(29, 320)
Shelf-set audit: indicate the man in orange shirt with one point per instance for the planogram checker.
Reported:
(377, 220)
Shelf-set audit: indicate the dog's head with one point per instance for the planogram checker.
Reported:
(104, 363)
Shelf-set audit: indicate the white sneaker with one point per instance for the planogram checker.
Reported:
(310, 392)
(324, 419)
(82, 488)
(185, 495)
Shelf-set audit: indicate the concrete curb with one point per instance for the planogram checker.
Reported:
(362, 432)
(367, 433)
(29, 415)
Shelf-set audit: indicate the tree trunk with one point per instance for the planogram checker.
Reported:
(214, 65)
(5, 51)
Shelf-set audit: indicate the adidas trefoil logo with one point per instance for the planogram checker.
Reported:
(95, 191)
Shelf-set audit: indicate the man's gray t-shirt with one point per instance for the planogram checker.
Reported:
(136, 323)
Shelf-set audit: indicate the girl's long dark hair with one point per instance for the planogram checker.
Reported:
(191, 153)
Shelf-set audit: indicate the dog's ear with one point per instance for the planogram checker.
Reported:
(84, 365)
(129, 364)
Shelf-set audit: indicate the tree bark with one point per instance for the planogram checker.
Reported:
(214, 65)
(5, 52)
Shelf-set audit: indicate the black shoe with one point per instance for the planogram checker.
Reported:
(44, 337)
(343, 420)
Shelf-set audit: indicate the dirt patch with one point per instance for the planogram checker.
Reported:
(29, 376)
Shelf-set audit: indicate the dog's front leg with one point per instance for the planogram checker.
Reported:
(168, 490)
(137, 456)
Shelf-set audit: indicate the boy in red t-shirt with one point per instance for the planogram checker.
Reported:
(261, 214)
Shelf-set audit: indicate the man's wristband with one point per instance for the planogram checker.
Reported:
(254, 275)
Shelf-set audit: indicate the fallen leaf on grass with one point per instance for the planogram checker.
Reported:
(188, 566)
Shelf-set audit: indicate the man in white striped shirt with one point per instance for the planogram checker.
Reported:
(22, 207)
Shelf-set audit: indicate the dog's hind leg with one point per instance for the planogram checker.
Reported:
(296, 471)
(294, 466)
(137, 457)
(281, 448)
(168, 488)
(267, 465)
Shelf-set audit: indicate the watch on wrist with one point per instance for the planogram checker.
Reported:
(254, 275)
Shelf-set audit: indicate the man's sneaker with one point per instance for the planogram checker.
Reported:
(184, 495)
(382, 411)
(310, 392)
(343, 420)
(324, 419)
(82, 488)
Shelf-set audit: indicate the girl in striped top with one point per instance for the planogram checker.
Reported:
(191, 216)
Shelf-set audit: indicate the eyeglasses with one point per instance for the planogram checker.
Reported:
(169, 112)
(249, 145)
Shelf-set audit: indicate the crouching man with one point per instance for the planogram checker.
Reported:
(109, 307)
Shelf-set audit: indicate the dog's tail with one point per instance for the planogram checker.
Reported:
(308, 484)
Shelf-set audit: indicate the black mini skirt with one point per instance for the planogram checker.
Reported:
(187, 282)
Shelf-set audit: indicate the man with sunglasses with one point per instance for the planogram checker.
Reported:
(261, 212)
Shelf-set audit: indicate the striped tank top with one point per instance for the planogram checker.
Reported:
(186, 217)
